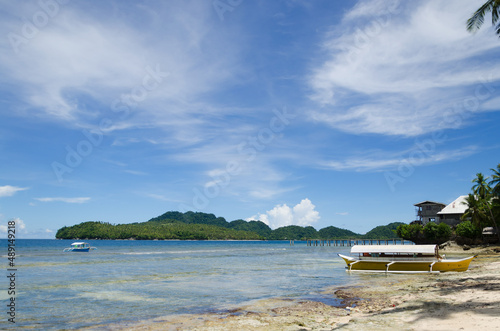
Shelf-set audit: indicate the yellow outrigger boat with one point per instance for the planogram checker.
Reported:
(402, 259)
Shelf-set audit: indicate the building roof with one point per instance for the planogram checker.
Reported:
(427, 202)
(425, 249)
(489, 230)
(456, 207)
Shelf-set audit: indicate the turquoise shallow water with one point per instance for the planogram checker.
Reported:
(124, 281)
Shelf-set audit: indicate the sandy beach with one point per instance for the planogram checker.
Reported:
(447, 301)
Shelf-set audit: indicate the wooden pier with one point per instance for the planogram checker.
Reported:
(352, 242)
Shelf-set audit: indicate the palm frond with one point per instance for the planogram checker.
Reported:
(494, 13)
(495, 177)
(477, 19)
(495, 16)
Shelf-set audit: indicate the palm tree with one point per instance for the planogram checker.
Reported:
(475, 211)
(481, 187)
(483, 191)
(475, 22)
(495, 187)
(495, 182)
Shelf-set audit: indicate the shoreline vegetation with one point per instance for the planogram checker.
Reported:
(483, 211)
(175, 225)
(477, 225)
(447, 301)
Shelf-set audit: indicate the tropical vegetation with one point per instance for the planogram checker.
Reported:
(202, 226)
(467, 230)
(431, 233)
(483, 210)
(383, 232)
(149, 231)
(475, 22)
(483, 203)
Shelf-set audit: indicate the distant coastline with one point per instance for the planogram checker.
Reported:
(175, 225)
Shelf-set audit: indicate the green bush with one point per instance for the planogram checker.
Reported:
(431, 231)
(413, 232)
(444, 231)
(467, 230)
(437, 233)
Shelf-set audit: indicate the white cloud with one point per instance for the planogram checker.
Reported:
(67, 200)
(136, 173)
(365, 9)
(7, 190)
(84, 57)
(244, 173)
(396, 74)
(279, 216)
(492, 104)
(379, 161)
(20, 226)
(25, 232)
(302, 214)
(161, 197)
(87, 58)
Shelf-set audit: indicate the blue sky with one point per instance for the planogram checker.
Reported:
(320, 113)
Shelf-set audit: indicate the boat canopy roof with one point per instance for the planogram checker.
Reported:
(407, 249)
(78, 243)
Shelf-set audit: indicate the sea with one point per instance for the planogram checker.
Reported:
(125, 281)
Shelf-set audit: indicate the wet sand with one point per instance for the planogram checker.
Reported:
(447, 301)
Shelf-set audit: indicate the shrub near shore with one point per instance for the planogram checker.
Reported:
(431, 233)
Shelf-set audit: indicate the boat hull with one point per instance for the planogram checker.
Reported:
(424, 266)
(80, 249)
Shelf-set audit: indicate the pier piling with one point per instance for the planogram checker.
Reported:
(352, 242)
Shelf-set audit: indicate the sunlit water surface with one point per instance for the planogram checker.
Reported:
(126, 281)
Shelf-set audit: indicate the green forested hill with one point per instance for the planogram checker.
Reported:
(202, 226)
(294, 232)
(100, 230)
(190, 218)
(334, 232)
(383, 232)
(258, 227)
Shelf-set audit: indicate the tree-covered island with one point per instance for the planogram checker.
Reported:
(202, 226)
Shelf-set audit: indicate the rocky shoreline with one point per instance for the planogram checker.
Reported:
(447, 301)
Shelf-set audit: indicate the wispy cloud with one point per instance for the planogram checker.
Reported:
(161, 197)
(136, 173)
(81, 59)
(401, 68)
(26, 231)
(66, 200)
(7, 190)
(19, 224)
(381, 161)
